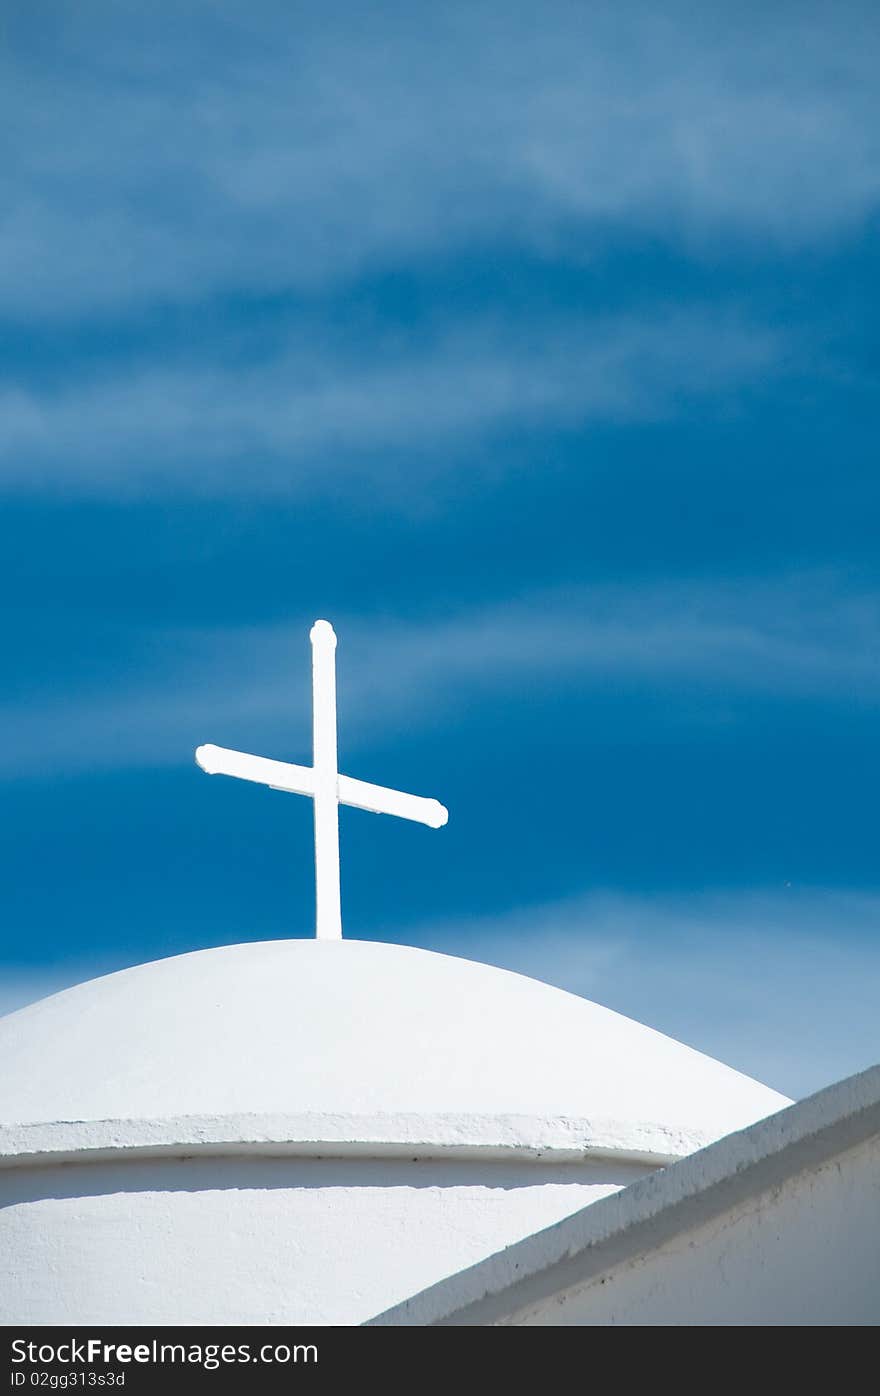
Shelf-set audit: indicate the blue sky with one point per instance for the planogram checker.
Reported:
(536, 350)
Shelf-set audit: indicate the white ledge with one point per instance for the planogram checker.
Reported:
(539, 1139)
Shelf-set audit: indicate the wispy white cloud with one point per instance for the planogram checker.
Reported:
(798, 637)
(782, 984)
(234, 148)
(314, 416)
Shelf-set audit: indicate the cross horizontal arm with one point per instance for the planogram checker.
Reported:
(300, 780)
(379, 800)
(280, 775)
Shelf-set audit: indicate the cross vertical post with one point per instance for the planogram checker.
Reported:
(328, 908)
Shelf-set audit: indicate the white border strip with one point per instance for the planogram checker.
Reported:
(536, 1138)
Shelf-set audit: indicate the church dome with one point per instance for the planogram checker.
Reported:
(358, 1043)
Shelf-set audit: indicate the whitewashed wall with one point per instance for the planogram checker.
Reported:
(261, 1240)
(804, 1253)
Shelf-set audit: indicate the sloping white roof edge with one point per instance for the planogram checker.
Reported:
(652, 1210)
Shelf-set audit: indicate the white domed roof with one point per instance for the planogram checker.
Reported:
(327, 1034)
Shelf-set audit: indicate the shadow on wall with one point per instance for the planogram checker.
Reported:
(244, 1174)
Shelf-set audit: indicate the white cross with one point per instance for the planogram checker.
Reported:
(323, 783)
